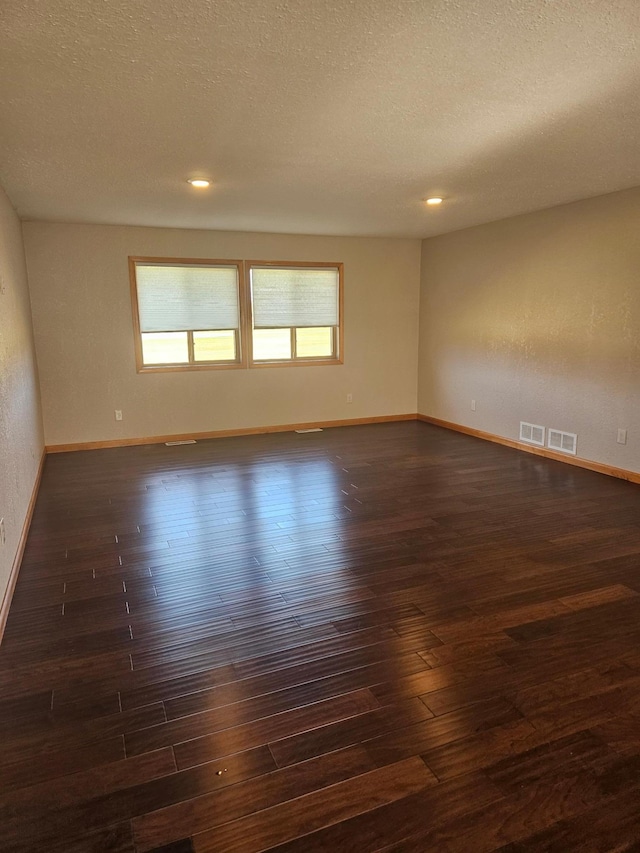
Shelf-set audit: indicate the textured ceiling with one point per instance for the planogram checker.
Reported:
(315, 116)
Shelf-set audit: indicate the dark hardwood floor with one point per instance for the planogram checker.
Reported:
(388, 637)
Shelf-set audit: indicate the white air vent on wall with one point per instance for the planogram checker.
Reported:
(532, 433)
(566, 442)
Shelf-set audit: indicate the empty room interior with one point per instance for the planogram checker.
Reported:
(319, 426)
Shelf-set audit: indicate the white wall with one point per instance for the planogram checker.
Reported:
(79, 283)
(21, 441)
(537, 318)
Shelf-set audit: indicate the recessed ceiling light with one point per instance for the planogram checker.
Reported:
(198, 182)
(434, 200)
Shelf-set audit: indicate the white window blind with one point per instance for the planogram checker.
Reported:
(180, 298)
(290, 296)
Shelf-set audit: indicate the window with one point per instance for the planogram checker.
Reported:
(195, 314)
(296, 313)
(187, 313)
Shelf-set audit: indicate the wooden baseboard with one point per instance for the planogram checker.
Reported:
(15, 568)
(224, 433)
(599, 467)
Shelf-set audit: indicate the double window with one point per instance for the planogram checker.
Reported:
(192, 314)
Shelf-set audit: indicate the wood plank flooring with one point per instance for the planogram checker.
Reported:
(379, 638)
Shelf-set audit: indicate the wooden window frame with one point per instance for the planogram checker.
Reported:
(240, 333)
(338, 331)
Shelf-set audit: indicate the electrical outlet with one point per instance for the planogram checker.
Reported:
(349, 398)
(3, 535)
(473, 405)
(622, 436)
(118, 414)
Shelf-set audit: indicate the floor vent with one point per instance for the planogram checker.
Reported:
(532, 433)
(565, 442)
(176, 443)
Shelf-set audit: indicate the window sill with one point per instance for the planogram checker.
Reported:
(311, 362)
(181, 368)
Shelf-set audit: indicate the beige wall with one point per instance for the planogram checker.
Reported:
(537, 318)
(79, 285)
(21, 440)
